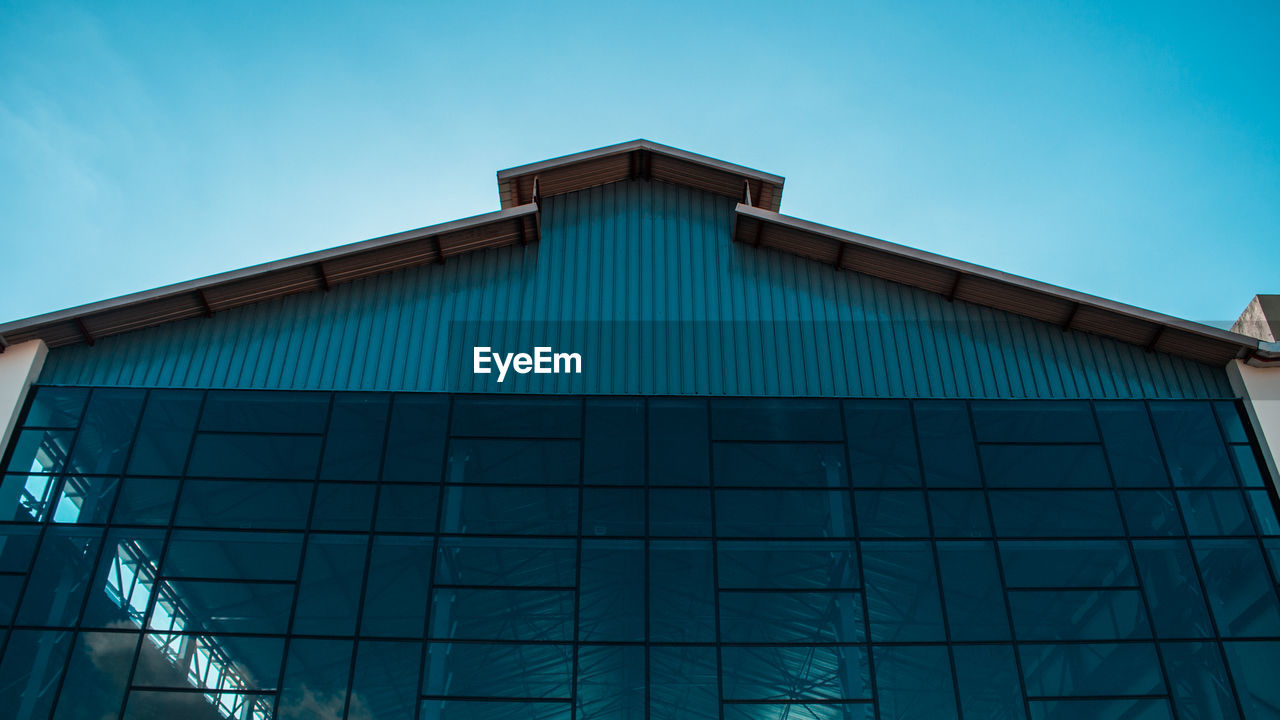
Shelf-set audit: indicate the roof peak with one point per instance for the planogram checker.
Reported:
(638, 159)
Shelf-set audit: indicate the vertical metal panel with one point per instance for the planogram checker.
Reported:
(642, 279)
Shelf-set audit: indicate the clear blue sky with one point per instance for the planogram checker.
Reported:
(1126, 149)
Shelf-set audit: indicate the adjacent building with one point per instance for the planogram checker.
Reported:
(636, 447)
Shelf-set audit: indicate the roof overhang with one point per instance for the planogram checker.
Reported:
(958, 280)
(638, 159)
(303, 273)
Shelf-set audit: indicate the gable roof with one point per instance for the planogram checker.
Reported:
(757, 223)
(638, 159)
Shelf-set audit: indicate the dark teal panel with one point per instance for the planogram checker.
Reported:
(642, 280)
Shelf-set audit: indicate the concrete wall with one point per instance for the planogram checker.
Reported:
(20, 365)
(1260, 389)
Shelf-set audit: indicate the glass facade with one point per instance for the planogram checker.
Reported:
(254, 555)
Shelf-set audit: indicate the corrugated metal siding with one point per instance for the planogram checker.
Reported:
(642, 279)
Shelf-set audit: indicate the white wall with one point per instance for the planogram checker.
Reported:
(19, 367)
(1260, 389)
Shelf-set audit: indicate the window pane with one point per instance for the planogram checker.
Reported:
(1264, 512)
(802, 710)
(783, 513)
(96, 677)
(780, 465)
(250, 505)
(613, 452)
(959, 513)
(342, 506)
(329, 595)
(683, 683)
(791, 617)
(972, 590)
(385, 684)
(1150, 513)
(17, 547)
(122, 587)
(56, 588)
(502, 614)
(210, 662)
(107, 431)
(611, 591)
(1078, 615)
(315, 678)
(680, 513)
(882, 444)
(415, 439)
(914, 682)
(1198, 680)
(1241, 595)
(1045, 466)
(1215, 512)
(506, 562)
(1063, 563)
(786, 420)
(1131, 444)
(1253, 666)
(150, 704)
(56, 407)
(285, 457)
(681, 592)
(1192, 444)
(614, 512)
(168, 424)
(1247, 465)
(1115, 709)
(788, 565)
(1232, 423)
(795, 673)
(407, 508)
(29, 673)
(1056, 513)
(678, 453)
(353, 445)
(494, 710)
(479, 460)
(510, 510)
(988, 679)
(224, 607)
(27, 498)
(497, 670)
(395, 598)
(1172, 589)
(946, 444)
(902, 592)
(146, 501)
(40, 451)
(1096, 669)
(891, 513)
(611, 682)
(527, 417)
(1034, 422)
(266, 411)
(233, 555)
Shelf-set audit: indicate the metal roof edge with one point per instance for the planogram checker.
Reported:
(639, 144)
(961, 266)
(266, 268)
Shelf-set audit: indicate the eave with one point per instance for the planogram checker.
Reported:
(303, 273)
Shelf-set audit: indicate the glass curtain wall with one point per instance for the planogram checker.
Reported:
(253, 555)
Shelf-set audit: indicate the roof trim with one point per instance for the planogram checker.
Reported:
(956, 279)
(638, 159)
(312, 271)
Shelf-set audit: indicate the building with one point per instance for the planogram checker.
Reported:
(797, 473)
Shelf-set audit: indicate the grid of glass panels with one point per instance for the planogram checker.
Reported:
(253, 555)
